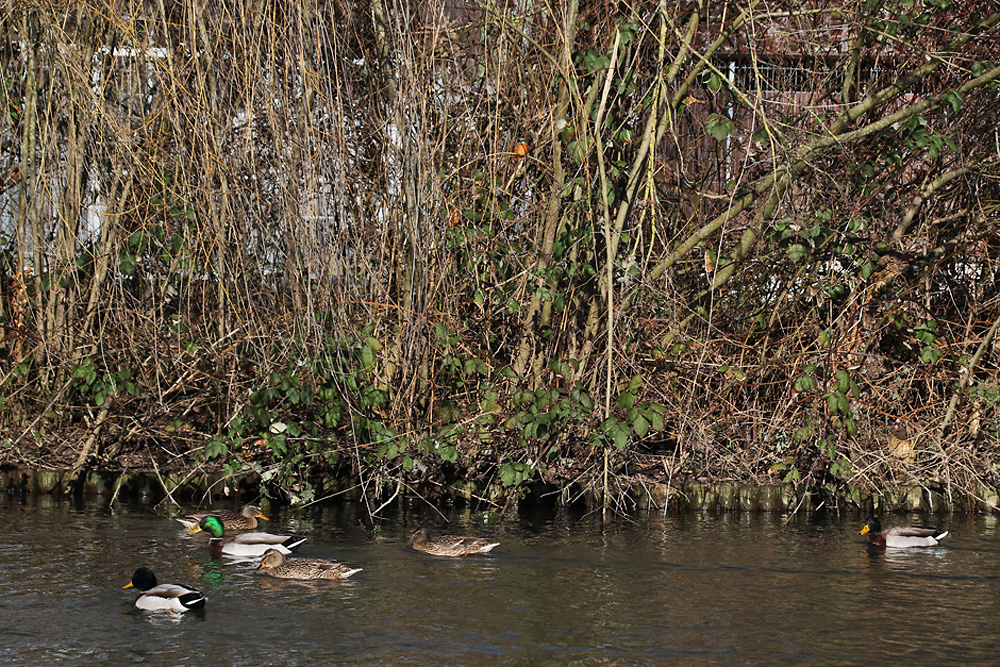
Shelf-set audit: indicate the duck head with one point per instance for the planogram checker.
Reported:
(272, 558)
(211, 525)
(142, 580)
(873, 526)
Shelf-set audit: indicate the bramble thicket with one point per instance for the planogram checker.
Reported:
(590, 245)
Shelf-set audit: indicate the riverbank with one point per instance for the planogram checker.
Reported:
(150, 486)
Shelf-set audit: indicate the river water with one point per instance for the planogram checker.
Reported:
(561, 589)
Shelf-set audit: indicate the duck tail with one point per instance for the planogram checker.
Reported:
(940, 536)
(193, 600)
(293, 543)
(186, 522)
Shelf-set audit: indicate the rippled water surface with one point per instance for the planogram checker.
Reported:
(562, 589)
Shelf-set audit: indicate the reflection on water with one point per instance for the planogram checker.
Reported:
(562, 589)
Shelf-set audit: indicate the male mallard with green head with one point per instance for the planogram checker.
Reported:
(901, 537)
(244, 544)
(274, 564)
(450, 545)
(245, 519)
(174, 598)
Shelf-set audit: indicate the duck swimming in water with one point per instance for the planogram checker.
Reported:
(901, 537)
(245, 519)
(174, 598)
(244, 544)
(275, 564)
(450, 545)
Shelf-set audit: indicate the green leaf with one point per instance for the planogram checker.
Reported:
(508, 475)
(803, 434)
(656, 420)
(276, 443)
(930, 355)
(441, 334)
(126, 263)
(367, 358)
(215, 447)
(640, 426)
(796, 252)
(719, 127)
(927, 332)
(805, 383)
(621, 438)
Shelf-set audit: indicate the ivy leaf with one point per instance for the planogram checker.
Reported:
(508, 475)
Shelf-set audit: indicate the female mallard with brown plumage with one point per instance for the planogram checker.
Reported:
(174, 598)
(245, 519)
(274, 564)
(450, 545)
(901, 537)
(244, 544)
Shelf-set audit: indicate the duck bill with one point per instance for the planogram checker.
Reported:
(261, 516)
(864, 530)
(128, 585)
(193, 530)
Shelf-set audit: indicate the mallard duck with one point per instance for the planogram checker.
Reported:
(450, 545)
(244, 544)
(246, 519)
(274, 564)
(899, 537)
(164, 597)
